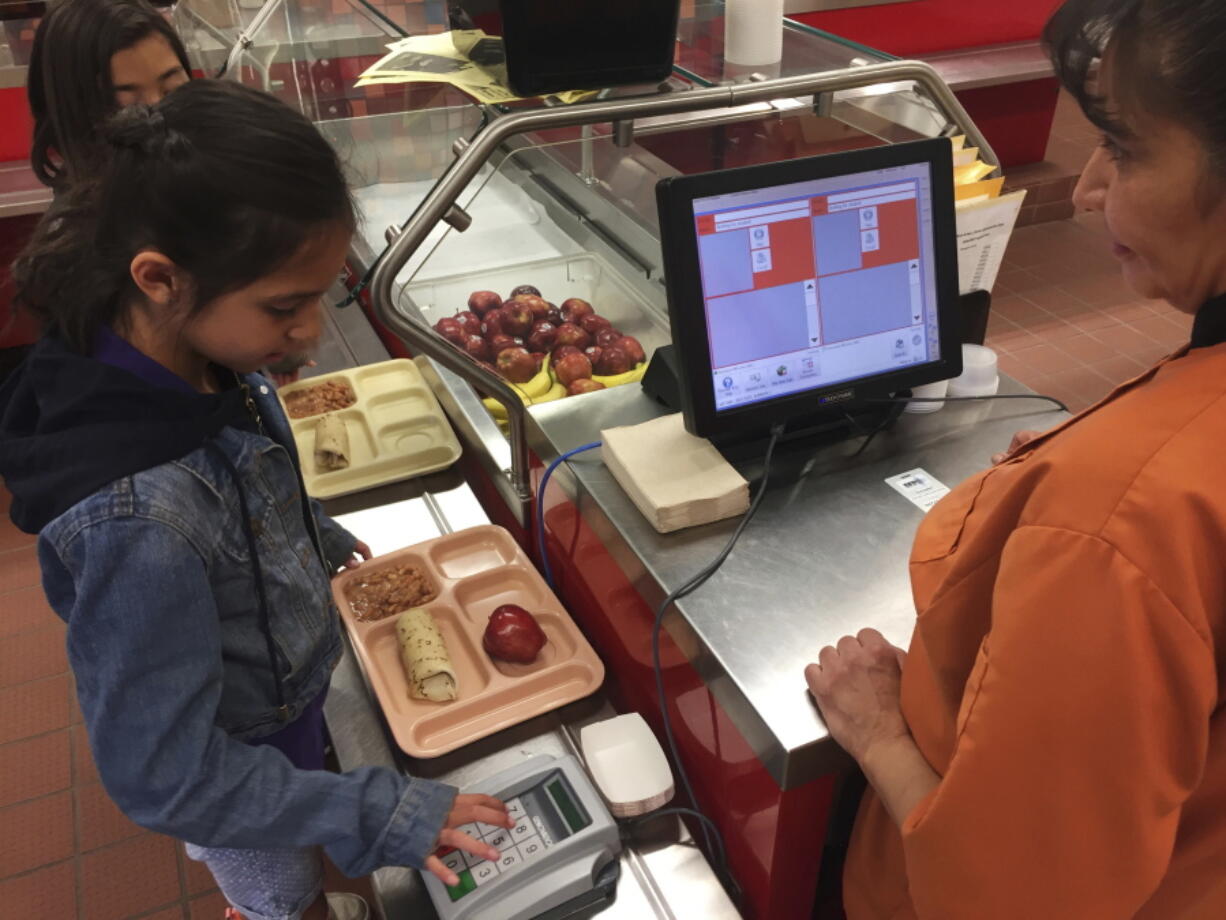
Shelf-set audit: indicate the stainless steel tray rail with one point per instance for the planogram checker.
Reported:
(420, 339)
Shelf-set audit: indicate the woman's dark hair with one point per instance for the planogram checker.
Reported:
(69, 77)
(225, 181)
(1166, 58)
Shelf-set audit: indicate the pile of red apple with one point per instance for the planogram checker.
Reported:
(514, 337)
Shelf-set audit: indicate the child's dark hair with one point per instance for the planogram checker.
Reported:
(224, 180)
(69, 77)
(1166, 58)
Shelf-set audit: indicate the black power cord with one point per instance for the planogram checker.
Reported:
(709, 828)
(944, 399)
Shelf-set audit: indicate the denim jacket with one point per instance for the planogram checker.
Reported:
(153, 576)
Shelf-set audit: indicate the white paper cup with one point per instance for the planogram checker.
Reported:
(979, 375)
(928, 391)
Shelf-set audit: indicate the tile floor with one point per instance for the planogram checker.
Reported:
(1062, 321)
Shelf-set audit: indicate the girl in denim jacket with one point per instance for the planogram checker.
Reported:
(175, 537)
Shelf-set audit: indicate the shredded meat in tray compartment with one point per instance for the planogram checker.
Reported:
(324, 397)
(386, 592)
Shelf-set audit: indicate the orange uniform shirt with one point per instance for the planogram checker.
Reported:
(1065, 677)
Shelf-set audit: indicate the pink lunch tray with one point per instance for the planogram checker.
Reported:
(474, 571)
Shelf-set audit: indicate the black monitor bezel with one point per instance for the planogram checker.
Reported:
(686, 306)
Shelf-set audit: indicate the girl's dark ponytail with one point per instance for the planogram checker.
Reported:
(227, 182)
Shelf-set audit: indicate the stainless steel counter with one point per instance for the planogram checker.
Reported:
(825, 557)
(664, 875)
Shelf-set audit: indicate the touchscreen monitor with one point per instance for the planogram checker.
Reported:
(804, 287)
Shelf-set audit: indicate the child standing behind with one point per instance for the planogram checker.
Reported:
(175, 537)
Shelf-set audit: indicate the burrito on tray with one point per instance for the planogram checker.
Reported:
(331, 444)
(424, 655)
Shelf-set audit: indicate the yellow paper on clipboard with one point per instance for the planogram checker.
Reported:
(966, 156)
(989, 188)
(958, 142)
(964, 175)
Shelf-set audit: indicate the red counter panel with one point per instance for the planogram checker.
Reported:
(927, 26)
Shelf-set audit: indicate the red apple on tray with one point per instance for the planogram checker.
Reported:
(570, 368)
(574, 309)
(584, 385)
(613, 360)
(526, 289)
(537, 305)
(449, 328)
(516, 364)
(492, 324)
(538, 359)
(592, 323)
(607, 336)
(476, 347)
(561, 351)
(481, 302)
(630, 345)
(555, 316)
(513, 634)
(502, 341)
(517, 318)
(570, 334)
(470, 321)
(593, 353)
(544, 336)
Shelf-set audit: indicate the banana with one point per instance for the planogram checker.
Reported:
(496, 409)
(538, 385)
(557, 391)
(616, 380)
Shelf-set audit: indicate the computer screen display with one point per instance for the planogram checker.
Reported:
(797, 287)
(816, 283)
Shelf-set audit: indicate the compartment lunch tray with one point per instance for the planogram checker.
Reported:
(396, 430)
(474, 571)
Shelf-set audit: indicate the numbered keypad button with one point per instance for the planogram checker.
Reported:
(510, 858)
(471, 830)
(515, 808)
(531, 848)
(523, 829)
(500, 839)
(484, 830)
(454, 861)
(483, 872)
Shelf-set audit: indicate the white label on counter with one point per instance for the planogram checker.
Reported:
(919, 487)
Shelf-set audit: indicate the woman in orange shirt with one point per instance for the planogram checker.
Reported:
(1053, 744)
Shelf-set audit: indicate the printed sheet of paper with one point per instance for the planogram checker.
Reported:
(437, 59)
(984, 228)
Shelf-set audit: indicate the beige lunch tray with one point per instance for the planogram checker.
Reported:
(396, 429)
(474, 571)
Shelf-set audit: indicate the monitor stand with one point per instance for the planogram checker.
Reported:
(662, 383)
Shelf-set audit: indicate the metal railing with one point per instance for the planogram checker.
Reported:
(420, 339)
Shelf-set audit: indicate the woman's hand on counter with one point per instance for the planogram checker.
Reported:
(1019, 439)
(468, 809)
(857, 685)
(361, 553)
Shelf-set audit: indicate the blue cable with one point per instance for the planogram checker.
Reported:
(540, 509)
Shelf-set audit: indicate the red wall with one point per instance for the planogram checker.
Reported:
(926, 26)
(17, 122)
